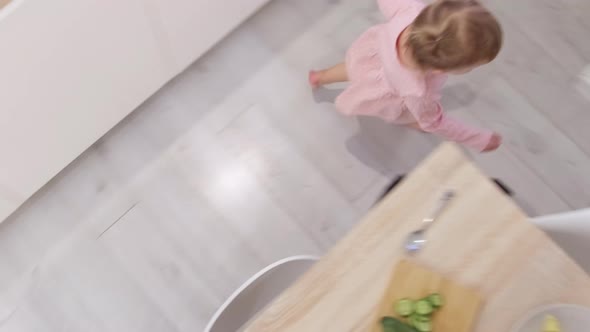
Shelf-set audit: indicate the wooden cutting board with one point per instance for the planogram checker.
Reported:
(461, 304)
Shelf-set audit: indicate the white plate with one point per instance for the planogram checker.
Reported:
(572, 318)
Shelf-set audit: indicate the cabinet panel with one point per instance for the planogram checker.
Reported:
(191, 27)
(71, 69)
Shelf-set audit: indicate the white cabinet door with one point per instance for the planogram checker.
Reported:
(69, 71)
(191, 27)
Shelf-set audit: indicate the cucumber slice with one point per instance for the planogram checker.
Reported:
(422, 323)
(404, 307)
(424, 326)
(423, 307)
(436, 300)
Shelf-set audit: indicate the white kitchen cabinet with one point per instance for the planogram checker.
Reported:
(189, 28)
(72, 69)
(69, 71)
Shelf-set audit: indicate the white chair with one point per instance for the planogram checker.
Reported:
(257, 292)
(571, 231)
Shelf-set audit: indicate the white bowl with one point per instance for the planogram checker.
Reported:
(572, 318)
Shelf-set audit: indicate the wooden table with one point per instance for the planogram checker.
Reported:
(483, 240)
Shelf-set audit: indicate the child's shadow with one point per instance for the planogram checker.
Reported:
(386, 148)
(365, 145)
(457, 96)
(454, 97)
(325, 95)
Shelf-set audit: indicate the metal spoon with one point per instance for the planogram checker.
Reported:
(416, 240)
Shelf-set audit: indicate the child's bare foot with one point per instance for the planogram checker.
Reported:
(314, 79)
(494, 143)
(330, 75)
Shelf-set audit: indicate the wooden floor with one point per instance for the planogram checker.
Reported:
(236, 164)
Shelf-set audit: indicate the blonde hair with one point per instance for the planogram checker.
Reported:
(454, 34)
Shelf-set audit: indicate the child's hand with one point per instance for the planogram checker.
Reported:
(494, 143)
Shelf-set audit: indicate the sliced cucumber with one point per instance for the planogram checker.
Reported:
(422, 324)
(391, 324)
(404, 307)
(417, 314)
(388, 324)
(435, 300)
(423, 307)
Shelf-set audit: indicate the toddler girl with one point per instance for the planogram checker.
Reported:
(397, 69)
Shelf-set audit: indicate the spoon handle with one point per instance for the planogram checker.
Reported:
(442, 204)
